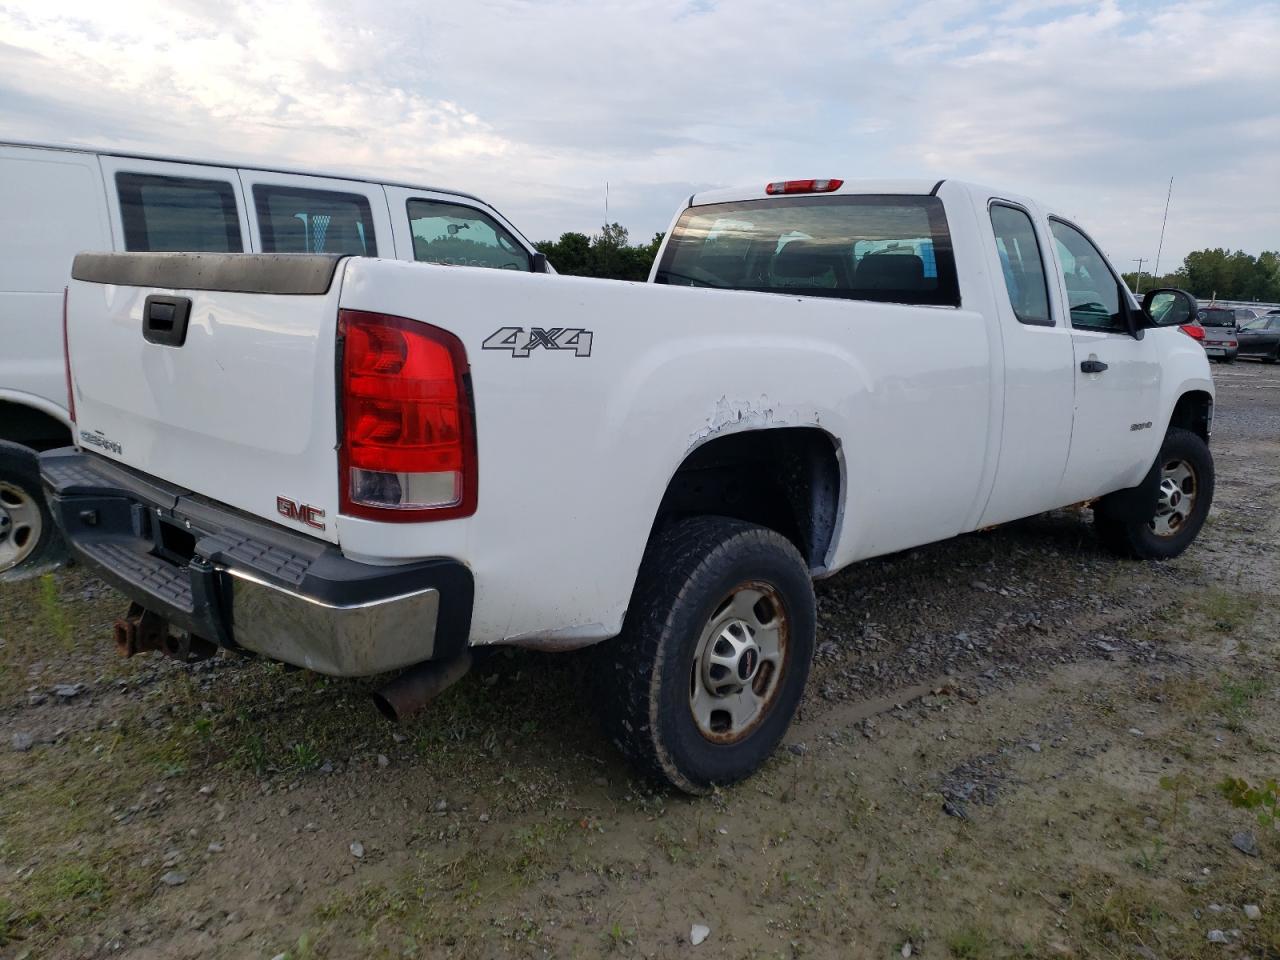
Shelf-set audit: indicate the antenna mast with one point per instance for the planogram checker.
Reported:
(1156, 272)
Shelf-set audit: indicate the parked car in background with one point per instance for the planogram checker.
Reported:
(1261, 338)
(1245, 314)
(1219, 325)
(56, 201)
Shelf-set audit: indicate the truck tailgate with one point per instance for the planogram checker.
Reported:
(241, 408)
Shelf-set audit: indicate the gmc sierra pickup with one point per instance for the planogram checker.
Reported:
(359, 465)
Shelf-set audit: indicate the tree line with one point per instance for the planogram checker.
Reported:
(607, 254)
(1220, 273)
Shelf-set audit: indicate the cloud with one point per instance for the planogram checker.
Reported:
(535, 105)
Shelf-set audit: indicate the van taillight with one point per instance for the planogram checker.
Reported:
(408, 442)
(66, 358)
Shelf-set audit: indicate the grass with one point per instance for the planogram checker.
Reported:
(970, 943)
(52, 611)
(1228, 610)
(1236, 700)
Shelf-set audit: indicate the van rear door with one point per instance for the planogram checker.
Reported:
(295, 213)
(164, 206)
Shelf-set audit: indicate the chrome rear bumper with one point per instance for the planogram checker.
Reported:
(252, 585)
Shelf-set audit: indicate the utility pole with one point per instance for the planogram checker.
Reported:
(1138, 283)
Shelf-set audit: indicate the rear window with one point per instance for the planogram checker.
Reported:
(297, 220)
(178, 213)
(1216, 317)
(884, 248)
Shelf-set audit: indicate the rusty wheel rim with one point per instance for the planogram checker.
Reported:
(739, 663)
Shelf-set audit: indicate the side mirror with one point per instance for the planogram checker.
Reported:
(538, 262)
(1169, 307)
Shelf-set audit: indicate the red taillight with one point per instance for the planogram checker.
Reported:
(408, 448)
(1193, 330)
(66, 358)
(802, 186)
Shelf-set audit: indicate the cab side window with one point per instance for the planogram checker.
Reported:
(297, 220)
(177, 214)
(1021, 264)
(1093, 292)
(453, 233)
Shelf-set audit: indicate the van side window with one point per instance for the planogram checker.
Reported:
(178, 213)
(454, 233)
(1093, 292)
(1021, 264)
(297, 220)
(893, 249)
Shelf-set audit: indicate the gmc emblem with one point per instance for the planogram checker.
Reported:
(301, 512)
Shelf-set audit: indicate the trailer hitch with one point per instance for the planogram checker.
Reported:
(140, 631)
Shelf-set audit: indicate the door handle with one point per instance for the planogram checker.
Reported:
(164, 320)
(1092, 366)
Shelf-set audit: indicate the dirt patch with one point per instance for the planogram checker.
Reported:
(1076, 711)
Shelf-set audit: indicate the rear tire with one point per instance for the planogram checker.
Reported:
(713, 657)
(1274, 358)
(30, 542)
(1159, 519)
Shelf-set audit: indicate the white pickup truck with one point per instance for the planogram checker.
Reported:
(358, 465)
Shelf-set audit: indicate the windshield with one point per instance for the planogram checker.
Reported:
(1259, 323)
(883, 248)
(1217, 317)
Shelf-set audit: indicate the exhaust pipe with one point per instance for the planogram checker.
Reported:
(416, 687)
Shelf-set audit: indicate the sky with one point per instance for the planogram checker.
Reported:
(535, 104)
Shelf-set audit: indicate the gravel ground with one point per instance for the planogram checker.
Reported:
(1011, 747)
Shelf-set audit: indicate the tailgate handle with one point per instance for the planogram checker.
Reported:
(164, 320)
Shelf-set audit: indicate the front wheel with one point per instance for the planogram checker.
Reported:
(714, 654)
(1133, 524)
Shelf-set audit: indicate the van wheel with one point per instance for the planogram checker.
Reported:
(1133, 523)
(714, 653)
(30, 543)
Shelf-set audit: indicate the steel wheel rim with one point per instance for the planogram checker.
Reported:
(739, 663)
(20, 525)
(1179, 489)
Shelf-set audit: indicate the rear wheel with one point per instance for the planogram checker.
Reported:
(29, 541)
(1134, 524)
(714, 654)
(1275, 356)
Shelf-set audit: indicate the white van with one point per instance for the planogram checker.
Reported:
(56, 201)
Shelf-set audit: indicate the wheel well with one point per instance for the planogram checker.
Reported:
(1194, 412)
(786, 479)
(31, 428)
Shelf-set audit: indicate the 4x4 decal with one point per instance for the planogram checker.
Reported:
(518, 341)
